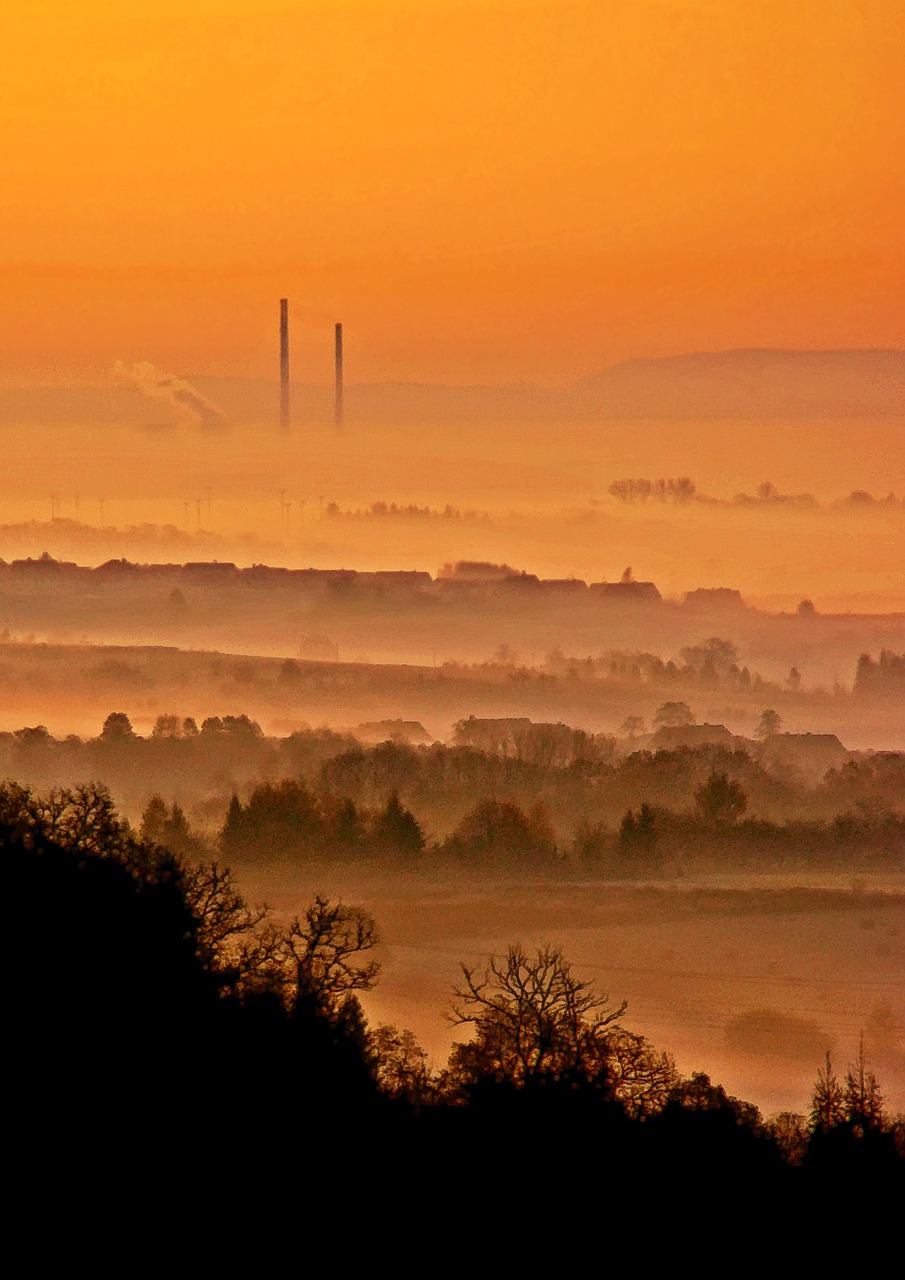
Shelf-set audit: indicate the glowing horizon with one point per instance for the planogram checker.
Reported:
(480, 191)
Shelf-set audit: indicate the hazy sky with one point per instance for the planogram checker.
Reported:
(480, 189)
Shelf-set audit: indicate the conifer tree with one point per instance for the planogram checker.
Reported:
(828, 1099)
(863, 1100)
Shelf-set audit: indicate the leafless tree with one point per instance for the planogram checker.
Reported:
(83, 819)
(327, 949)
(319, 957)
(226, 924)
(640, 1077)
(532, 1017)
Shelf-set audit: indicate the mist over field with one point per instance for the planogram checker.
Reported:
(783, 506)
(741, 962)
(452, 623)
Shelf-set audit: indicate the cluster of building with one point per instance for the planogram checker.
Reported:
(465, 579)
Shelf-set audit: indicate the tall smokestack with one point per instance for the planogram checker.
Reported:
(284, 364)
(338, 384)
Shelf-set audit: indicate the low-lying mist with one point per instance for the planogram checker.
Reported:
(246, 494)
(748, 941)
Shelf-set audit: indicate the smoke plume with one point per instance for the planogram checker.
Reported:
(158, 385)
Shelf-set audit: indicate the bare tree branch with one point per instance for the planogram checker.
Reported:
(532, 1016)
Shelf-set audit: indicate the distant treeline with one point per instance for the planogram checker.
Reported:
(505, 793)
(286, 822)
(883, 677)
(160, 1027)
(710, 664)
(398, 511)
(138, 536)
(684, 490)
(696, 670)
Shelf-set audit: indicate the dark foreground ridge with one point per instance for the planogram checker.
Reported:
(166, 1041)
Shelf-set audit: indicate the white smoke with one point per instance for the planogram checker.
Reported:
(158, 385)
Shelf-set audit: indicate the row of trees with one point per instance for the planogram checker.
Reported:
(683, 490)
(672, 490)
(579, 779)
(710, 664)
(286, 821)
(292, 822)
(407, 511)
(289, 822)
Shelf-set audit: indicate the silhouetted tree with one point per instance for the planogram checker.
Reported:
(498, 830)
(715, 654)
(674, 715)
(828, 1099)
(170, 828)
(698, 1093)
(590, 842)
(140, 988)
(638, 1076)
(327, 948)
(153, 820)
(790, 1131)
(225, 922)
(532, 1017)
(720, 800)
(850, 1137)
(638, 832)
(345, 830)
(166, 727)
(770, 723)
(397, 832)
(283, 820)
(863, 1099)
(117, 727)
(403, 1070)
(83, 819)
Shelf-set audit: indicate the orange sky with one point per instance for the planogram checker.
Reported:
(480, 189)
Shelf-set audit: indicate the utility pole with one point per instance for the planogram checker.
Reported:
(338, 406)
(284, 364)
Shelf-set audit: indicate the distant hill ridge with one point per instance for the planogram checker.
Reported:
(743, 383)
(753, 382)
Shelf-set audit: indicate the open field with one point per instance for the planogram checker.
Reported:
(697, 961)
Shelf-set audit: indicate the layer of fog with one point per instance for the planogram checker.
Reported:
(751, 979)
(247, 495)
(256, 497)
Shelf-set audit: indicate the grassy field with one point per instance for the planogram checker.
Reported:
(749, 979)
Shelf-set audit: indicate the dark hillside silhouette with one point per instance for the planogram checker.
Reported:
(158, 1027)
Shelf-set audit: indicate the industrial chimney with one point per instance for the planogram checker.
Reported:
(284, 364)
(338, 385)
